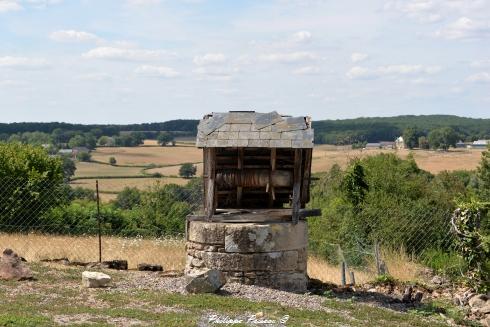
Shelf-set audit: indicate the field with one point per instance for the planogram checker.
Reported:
(150, 159)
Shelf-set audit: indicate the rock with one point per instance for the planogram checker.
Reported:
(115, 264)
(457, 301)
(485, 321)
(13, 268)
(205, 281)
(407, 295)
(93, 279)
(372, 290)
(418, 297)
(149, 267)
(486, 309)
(438, 280)
(478, 301)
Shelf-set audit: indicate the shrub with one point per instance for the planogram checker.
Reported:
(187, 170)
(112, 161)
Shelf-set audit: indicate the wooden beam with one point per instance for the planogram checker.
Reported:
(210, 204)
(296, 202)
(272, 195)
(305, 188)
(239, 188)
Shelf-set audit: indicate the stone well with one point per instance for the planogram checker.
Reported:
(271, 254)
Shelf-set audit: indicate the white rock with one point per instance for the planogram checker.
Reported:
(92, 279)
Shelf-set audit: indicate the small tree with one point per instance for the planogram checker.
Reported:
(112, 161)
(443, 138)
(84, 156)
(187, 170)
(68, 168)
(128, 198)
(424, 143)
(410, 137)
(164, 138)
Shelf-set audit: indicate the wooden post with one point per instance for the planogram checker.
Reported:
(305, 189)
(273, 168)
(377, 258)
(210, 159)
(98, 219)
(239, 189)
(298, 159)
(352, 278)
(342, 273)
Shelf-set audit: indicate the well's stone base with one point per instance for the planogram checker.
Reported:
(265, 254)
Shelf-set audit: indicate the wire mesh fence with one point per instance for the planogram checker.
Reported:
(43, 220)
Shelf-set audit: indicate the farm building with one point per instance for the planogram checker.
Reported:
(387, 145)
(480, 144)
(399, 143)
(376, 145)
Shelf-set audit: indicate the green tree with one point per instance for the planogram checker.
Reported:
(112, 161)
(128, 198)
(483, 174)
(187, 170)
(76, 141)
(423, 143)
(164, 138)
(84, 156)
(442, 138)
(106, 141)
(32, 182)
(69, 168)
(411, 137)
(354, 184)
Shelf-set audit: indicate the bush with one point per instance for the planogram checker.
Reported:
(187, 170)
(84, 156)
(128, 198)
(112, 161)
(444, 262)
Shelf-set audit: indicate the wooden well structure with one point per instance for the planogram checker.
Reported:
(257, 172)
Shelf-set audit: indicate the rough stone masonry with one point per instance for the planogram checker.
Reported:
(269, 254)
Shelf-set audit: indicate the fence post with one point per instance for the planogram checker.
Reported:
(342, 273)
(352, 278)
(98, 219)
(376, 256)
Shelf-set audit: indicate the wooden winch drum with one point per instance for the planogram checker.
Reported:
(232, 178)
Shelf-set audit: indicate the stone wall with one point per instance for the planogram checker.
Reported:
(265, 254)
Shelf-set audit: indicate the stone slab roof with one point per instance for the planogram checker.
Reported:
(253, 129)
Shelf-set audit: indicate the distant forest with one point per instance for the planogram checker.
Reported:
(339, 132)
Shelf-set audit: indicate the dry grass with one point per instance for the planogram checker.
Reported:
(92, 169)
(173, 170)
(170, 253)
(149, 155)
(118, 184)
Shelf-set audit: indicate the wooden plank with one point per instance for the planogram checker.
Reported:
(296, 203)
(239, 187)
(272, 195)
(210, 203)
(305, 188)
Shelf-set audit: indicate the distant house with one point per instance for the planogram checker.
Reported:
(373, 146)
(480, 144)
(461, 144)
(65, 152)
(400, 143)
(387, 145)
(73, 152)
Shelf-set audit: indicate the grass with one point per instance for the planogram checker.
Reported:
(92, 169)
(116, 185)
(56, 298)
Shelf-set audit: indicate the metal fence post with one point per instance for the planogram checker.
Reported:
(378, 260)
(98, 219)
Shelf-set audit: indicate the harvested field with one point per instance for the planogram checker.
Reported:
(118, 184)
(325, 156)
(173, 170)
(149, 155)
(92, 169)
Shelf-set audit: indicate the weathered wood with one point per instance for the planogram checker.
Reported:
(231, 178)
(210, 202)
(239, 187)
(305, 188)
(272, 195)
(296, 202)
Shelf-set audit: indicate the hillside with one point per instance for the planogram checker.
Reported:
(342, 131)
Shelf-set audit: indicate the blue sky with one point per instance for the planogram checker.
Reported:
(132, 61)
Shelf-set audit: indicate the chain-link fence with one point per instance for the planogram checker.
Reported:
(42, 220)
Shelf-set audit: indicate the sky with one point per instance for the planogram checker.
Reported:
(133, 61)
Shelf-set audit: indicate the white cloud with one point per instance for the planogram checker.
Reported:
(358, 72)
(23, 63)
(358, 57)
(157, 71)
(301, 37)
(216, 73)
(291, 57)
(482, 77)
(73, 36)
(113, 53)
(465, 28)
(307, 70)
(210, 59)
(9, 5)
